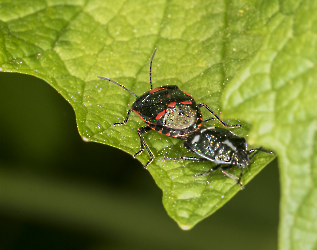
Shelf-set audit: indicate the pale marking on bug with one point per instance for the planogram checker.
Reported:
(229, 143)
(196, 139)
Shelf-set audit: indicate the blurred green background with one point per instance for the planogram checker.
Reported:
(58, 192)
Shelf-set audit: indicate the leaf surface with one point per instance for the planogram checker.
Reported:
(276, 93)
(201, 48)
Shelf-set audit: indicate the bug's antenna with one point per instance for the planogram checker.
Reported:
(107, 79)
(257, 150)
(151, 67)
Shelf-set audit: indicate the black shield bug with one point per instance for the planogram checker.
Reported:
(221, 146)
(167, 110)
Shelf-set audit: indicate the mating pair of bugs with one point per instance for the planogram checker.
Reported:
(172, 112)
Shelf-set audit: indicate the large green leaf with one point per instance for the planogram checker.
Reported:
(276, 93)
(201, 48)
(69, 45)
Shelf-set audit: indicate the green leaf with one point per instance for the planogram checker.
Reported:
(276, 93)
(202, 46)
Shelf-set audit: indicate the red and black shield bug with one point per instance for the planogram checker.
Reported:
(167, 110)
(222, 147)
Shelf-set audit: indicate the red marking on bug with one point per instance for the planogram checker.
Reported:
(187, 102)
(172, 104)
(154, 90)
(140, 115)
(168, 95)
(185, 92)
(159, 115)
(151, 125)
(168, 134)
(137, 112)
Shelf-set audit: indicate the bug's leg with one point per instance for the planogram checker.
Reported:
(238, 180)
(240, 176)
(187, 158)
(211, 118)
(125, 120)
(142, 131)
(209, 171)
(257, 150)
(223, 123)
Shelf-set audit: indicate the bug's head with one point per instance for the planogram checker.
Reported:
(240, 158)
(240, 154)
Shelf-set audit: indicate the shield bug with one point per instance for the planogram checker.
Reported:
(167, 110)
(222, 147)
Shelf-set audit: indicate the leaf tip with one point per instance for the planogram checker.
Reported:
(184, 227)
(85, 139)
